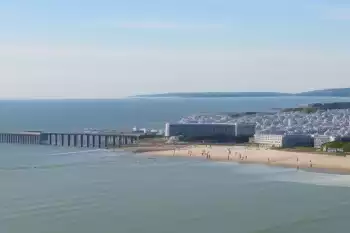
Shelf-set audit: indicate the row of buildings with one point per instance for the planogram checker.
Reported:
(284, 140)
(296, 140)
(245, 132)
(328, 122)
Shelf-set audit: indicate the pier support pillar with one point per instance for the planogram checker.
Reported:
(88, 140)
(106, 142)
(81, 140)
(99, 141)
(62, 139)
(75, 140)
(93, 141)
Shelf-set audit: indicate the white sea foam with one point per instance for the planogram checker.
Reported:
(312, 178)
(291, 175)
(79, 152)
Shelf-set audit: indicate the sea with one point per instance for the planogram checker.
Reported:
(46, 189)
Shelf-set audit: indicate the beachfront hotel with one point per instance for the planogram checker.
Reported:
(283, 140)
(198, 130)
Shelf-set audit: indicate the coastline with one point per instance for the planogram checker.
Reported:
(312, 162)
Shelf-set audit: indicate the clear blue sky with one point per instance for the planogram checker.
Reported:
(106, 49)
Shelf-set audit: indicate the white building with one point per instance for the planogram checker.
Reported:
(283, 140)
(319, 140)
(270, 140)
(209, 130)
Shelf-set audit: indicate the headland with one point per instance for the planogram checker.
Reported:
(333, 92)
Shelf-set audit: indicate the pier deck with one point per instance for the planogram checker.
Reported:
(76, 139)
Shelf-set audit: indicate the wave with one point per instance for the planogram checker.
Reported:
(48, 166)
(312, 178)
(79, 152)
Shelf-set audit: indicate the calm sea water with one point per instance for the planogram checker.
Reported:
(54, 190)
(127, 113)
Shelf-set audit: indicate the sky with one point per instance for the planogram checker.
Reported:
(114, 49)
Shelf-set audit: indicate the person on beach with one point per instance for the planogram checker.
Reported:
(310, 164)
(298, 166)
(208, 155)
(268, 160)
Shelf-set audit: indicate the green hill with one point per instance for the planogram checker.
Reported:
(345, 146)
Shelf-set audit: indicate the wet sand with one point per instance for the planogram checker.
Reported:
(242, 154)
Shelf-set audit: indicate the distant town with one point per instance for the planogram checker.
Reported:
(321, 121)
(311, 125)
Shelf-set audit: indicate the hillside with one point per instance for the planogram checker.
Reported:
(337, 145)
(336, 92)
(217, 94)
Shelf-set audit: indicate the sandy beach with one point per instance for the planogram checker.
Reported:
(242, 154)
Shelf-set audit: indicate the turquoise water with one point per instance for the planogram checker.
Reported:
(53, 190)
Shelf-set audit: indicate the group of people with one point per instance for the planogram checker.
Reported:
(237, 154)
(206, 153)
(298, 165)
(190, 152)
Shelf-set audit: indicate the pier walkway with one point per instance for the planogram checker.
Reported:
(93, 140)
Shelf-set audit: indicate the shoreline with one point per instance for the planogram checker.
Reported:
(311, 162)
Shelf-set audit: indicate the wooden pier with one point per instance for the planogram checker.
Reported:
(93, 140)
